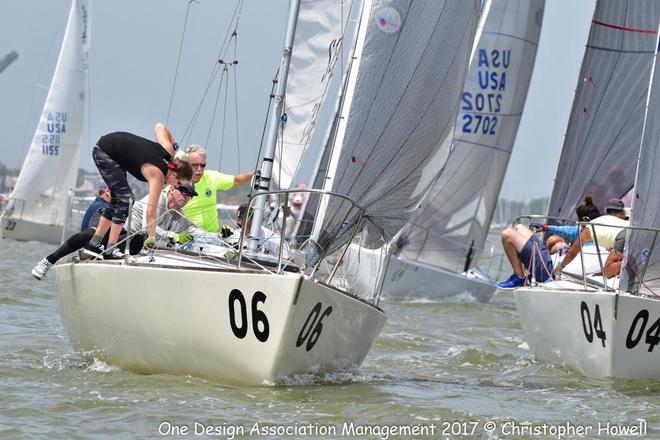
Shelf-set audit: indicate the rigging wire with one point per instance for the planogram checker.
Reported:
(178, 61)
(224, 47)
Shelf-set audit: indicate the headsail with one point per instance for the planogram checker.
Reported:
(456, 214)
(412, 66)
(602, 141)
(642, 254)
(317, 44)
(51, 165)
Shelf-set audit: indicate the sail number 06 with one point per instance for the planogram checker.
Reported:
(257, 315)
(311, 329)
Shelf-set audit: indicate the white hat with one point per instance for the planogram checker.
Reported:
(298, 199)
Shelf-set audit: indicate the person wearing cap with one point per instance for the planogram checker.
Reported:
(118, 153)
(81, 239)
(202, 210)
(172, 226)
(601, 231)
(101, 202)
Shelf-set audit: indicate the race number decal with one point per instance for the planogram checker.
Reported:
(260, 326)
(313, 326)
(590, 328)
(637, 331)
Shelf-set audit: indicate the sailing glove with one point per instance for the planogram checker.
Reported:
(150, 242)
(182, 237)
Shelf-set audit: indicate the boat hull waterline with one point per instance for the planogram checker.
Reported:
(407, 280)
(225, 325)
(26, 230)
(598, 333)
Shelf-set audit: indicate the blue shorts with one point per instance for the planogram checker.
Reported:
(542, 272)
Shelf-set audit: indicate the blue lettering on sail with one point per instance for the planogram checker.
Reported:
(481, 105)
(55, 126)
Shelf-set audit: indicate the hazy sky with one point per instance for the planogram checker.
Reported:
(133, 58)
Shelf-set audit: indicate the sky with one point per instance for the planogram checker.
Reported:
(133, 59)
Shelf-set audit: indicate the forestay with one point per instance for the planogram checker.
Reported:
(458, 210)
(602, 141)
(412, 66)
(51, 165)
(317, 46)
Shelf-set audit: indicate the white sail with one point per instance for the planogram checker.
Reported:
(602, 141)
(317, 44)
(456, 214)
(51, 165)
(411, 70)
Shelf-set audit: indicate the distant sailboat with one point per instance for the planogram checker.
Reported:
(37, 206)
(434, 254)
(609, 327)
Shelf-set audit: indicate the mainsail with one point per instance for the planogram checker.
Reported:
(51, 165)
(406, 95)
(320, 34)
(602, 141)
(456, 215)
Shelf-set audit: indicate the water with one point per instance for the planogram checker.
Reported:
(435, 363)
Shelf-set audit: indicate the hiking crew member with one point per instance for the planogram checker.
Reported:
(118, 153)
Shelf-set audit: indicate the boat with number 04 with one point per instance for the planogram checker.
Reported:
(598, 326)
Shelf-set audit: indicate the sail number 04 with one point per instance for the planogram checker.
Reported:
(592, 327)
(635, 333)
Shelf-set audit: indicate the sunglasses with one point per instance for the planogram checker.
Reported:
(198, 165)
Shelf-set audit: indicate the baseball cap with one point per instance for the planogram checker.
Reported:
(187, 189)
(614, 205)
(102, 185)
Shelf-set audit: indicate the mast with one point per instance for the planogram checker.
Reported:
(274, 123)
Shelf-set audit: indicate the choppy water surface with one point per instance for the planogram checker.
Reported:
(433, 364)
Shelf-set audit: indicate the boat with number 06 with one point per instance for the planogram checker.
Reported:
(186, 314)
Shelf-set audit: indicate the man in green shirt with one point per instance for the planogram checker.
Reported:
(202, 210)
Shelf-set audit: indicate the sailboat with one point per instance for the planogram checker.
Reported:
(434, 255)
(38, 205)
(254, 318)
(608, 327)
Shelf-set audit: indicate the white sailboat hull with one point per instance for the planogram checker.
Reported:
(174, 316)
(26, 230)
(411, 280)
(599, 334)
